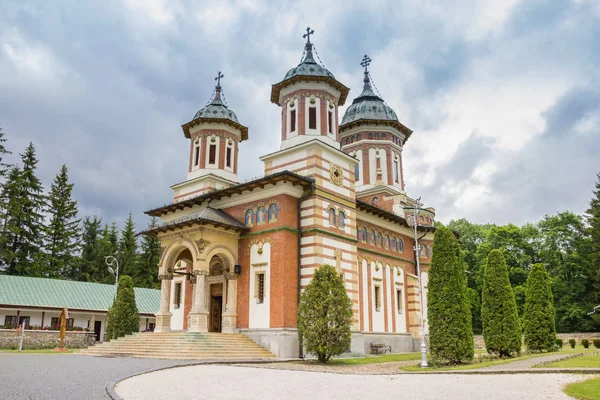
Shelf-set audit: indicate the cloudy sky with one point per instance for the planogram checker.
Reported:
(503, 95)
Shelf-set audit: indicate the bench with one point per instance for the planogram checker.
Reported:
(380, 348)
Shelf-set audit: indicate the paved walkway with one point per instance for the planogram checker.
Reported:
(67, 376)
(216, 382)
(525, 364)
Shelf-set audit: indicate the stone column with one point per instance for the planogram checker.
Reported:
(198, 318)
(230, 314)
(163, 316)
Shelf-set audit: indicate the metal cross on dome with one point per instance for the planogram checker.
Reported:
(218, 78)
(307, 34)
(366, 61)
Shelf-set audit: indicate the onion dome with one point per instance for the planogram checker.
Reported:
(309, 69)
(216, 111)
(370, 107)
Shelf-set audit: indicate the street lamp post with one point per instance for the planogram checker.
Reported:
(113, 268)
(415, 223)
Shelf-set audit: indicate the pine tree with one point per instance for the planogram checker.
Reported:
(107, 246)
(123, 317)
(4, 167)
(325, 315)
(448, 306)
(149, 259)
(128, 257)
(593, 256)
(539, 315)
(62, 231)
(501, 330)
(87, 267)
(23, 221)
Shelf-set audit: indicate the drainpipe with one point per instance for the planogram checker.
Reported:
(310, 192)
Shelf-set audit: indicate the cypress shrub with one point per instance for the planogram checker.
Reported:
(572, 343)
(539, 315)
(325, 315)
(123, 317)
(585, 343)
(559, 343)
(448, 306)
(596, 343)
(501, 330)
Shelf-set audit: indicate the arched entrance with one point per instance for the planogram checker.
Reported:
(218, 266)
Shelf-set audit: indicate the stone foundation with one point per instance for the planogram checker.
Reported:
(281, 342)
(400, 342)
(9, 339)
(480, 344)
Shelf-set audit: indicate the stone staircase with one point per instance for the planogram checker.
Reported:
(183, 346)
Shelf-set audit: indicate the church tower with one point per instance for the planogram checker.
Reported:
(371, 132)
(214, 134)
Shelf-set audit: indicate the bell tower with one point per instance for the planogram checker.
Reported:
(215, 134)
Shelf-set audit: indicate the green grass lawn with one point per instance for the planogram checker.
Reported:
(39, 351)
(476, 364)
(586, 390)
(591, 361)
(376, 359)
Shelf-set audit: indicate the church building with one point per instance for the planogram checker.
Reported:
(235, 257)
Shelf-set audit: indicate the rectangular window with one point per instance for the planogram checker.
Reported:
(229, 152)
(197, 155)
(260, 287)
(399, 300)
(55, 322)
(212, 154)
(396, 169)
(177, 295)
(377, 298)
(330, 121)
(312, 118)
(70, 322)
(293, 121)
(10, 320)
(24, 321)
(357, 172)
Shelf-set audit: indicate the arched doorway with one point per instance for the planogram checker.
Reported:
(218, 267)
(181, 290)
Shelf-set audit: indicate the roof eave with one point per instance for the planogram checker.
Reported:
(243, 129)
(201, 221)
(276, 88)
(390, 122)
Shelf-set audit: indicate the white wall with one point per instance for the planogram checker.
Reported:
(377, 280)
(399, 284)
(177, 318)
(259, 314)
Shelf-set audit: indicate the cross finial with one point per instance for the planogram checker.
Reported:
(307, 34)
(366, 61)
(218, 78)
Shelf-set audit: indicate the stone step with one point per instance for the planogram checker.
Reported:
(177, 357)
(180, 350)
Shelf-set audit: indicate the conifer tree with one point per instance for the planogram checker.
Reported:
(325, 315)
(88, 261)
(107, 246)
(501, 330)
(149, 259)
(21, 237)
(128, 260)
(593, 257)
(448, 306)
(4, 167)
(123, 317)
(62, 231)
(539, 315)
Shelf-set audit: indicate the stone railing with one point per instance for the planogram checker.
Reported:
(38, 339)
(480, 345)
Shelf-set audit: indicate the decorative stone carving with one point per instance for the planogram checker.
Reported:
(336, 174)
(202, 245)
(165, 276)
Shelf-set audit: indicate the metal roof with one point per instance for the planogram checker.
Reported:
(54, 293)
(208, 215)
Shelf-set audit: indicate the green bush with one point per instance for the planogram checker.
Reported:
(539, 314)
(596, 343)
(559, 342)
(501, 330)
(123, 317)
(572, 343)
(325, 315)
(448, 306)
(585, 343)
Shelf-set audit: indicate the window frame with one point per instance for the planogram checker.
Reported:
(377, 297)
(260, 287)
(177, 289)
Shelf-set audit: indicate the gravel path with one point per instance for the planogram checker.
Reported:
(526, 364)
(233, 382)
(67, 376)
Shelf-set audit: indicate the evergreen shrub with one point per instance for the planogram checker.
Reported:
(559, 342)
(585, 343)
(123, 317)
(572, 343)
(539, 314)
(596, 343)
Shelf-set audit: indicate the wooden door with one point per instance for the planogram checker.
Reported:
(97, 329)
(215, 312)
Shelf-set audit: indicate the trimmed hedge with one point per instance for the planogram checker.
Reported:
(539, 315)
(585, 343)
(572, 343)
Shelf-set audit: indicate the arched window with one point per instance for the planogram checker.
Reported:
(351, 139)
(273, 212)
(376, 135)
(357, 233)
(400, 246)
(372, 237)
(364, 234)
(331, 217)
(379, 239)
(374, 200)
(342, 220)
(358, 136)
(387, 241)
(249, 218)
(393, 244)
(370, 135)
(383, 135)
(261, 215)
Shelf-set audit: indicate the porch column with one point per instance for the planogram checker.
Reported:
(163, 316)
(92, 322)
(230, 314)
(198, 317)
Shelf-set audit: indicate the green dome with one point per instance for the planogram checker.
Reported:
(368, 106)
(216, 109)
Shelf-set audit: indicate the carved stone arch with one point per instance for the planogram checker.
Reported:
(220, 250)
(173, 251)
